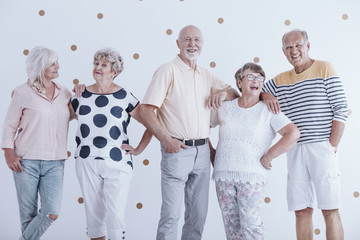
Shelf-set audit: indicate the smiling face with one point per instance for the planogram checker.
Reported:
(51, 72)
(296, 48)
(103, 70)
(250, 87)
(190, 43)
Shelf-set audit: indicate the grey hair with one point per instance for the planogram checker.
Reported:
(113, 57)
(38, 60)
(253, 67)
(303, 33)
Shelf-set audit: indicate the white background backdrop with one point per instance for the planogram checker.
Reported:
(250, 31)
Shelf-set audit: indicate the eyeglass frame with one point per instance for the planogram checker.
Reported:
(257, 77)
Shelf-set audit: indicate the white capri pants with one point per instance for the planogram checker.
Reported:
(105, 186)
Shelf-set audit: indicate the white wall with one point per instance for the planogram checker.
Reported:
(250, 29)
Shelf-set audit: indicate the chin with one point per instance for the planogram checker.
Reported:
(192, 57)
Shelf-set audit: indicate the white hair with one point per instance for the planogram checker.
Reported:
(113, 57)
(38, 60)
(303, 33)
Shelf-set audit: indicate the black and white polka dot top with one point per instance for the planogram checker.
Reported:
(102, 124)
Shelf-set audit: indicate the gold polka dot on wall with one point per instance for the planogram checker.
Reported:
(68, 153)
(220, 20)
(356, 194)
(256, 59)
(41, 12)
(76, 81)
(267, 200)
(317, 231)
(80, 200)
(73, 47)
(100, 16)
(212, 64)
(26, 52)
(139, 206)
(169, 31)
(287, 22)
(345, 16)
(146, 162)
(136, 56)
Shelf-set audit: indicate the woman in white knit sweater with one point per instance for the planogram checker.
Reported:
(244, 154)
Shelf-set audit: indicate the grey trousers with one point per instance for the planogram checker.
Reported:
(184, 175)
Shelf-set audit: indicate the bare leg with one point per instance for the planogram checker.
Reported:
(304, 226)
(99, 238)
(334, 229)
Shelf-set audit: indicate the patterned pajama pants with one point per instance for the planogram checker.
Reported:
(241, 207)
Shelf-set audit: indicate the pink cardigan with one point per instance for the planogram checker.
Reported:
(35, 127)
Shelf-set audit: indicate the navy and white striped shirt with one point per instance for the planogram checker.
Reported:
(311, 99)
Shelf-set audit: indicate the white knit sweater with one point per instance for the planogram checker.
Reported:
(245, 134)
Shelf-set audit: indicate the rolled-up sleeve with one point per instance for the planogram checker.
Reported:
(336, 94)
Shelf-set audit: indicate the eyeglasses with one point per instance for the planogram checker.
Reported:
(251, 77)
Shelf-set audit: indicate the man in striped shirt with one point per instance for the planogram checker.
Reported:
(312, 96)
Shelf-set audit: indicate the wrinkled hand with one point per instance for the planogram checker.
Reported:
(173, 146)
(271, 102)
(129, 149)
(266, 162)
(79, 89)
(216, 99)
(13, 161)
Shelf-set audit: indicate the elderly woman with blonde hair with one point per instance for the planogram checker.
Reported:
(103, 154)
(34, 141)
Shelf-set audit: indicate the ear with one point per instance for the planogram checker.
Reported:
(177, 43)
(283, 51)
(308, 45)
(238, 82)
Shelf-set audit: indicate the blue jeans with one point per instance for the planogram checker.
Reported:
(44, 178)
(185, 175)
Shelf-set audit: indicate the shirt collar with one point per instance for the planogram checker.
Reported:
(184, 67)
(56, 92)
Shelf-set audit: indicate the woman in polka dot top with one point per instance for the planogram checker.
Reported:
(103, 163)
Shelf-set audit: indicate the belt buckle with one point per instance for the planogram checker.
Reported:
(189, 142)
(199, 142)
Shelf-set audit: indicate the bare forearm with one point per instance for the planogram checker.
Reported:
(146, 138)
(231, 94)
(152, 123)
(286, 142)
(8, 152)
(336, 132)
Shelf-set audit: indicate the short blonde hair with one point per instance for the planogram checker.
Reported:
(38, 60)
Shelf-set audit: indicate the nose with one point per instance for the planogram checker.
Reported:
(293, 50)
(192, 42)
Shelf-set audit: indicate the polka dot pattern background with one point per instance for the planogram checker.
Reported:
(145, 34)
